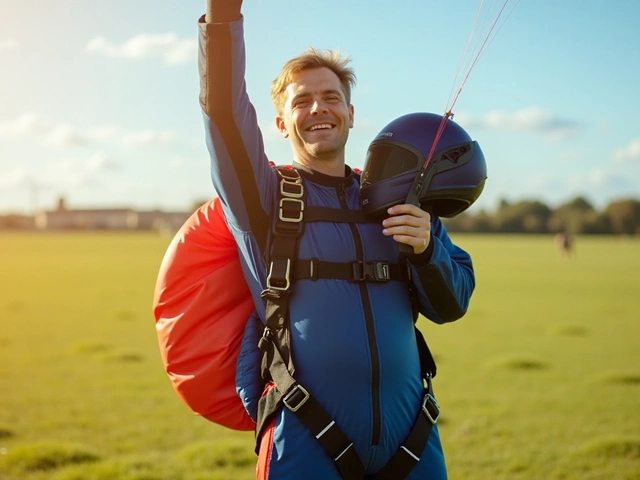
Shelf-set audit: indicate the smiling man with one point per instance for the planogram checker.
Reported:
(314, 109)
(333, 374)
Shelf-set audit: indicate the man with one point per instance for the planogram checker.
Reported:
(352, 341)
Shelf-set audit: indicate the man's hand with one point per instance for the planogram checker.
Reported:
(223, 11)
(409, 224)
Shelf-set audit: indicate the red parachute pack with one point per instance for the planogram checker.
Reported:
(201, 305)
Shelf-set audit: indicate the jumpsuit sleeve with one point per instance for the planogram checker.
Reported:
(240, 170)
(443, 276)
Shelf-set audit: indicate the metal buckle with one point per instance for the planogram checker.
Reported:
(298, 188)
(290, 219)
(430, 408)
(279, 283)
(299, 402)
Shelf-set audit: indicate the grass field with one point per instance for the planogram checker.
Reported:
(541, 379)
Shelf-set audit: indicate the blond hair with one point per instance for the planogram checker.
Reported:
(309, 60)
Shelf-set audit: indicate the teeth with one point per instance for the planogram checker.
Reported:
(318, 127)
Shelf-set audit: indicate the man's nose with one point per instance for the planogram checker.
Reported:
(318, 106)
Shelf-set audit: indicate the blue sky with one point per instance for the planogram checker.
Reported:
(99, 98)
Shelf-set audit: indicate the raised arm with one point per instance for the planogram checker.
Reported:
(223, 11)
(239, 167)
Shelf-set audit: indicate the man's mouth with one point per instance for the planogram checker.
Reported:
(320, 126)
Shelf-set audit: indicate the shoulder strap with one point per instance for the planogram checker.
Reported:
(277, 364)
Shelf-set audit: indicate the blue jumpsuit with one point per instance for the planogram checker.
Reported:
(353, 343)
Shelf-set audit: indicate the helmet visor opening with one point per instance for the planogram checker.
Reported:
(385, 161)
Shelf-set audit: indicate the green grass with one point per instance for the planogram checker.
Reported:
(541, 379)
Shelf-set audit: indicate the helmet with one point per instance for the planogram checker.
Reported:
(456, 172)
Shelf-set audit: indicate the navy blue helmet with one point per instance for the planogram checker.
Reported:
(456, 172)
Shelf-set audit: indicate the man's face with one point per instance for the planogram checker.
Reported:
(316, 116)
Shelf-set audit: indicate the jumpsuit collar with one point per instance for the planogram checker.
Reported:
(323, 179)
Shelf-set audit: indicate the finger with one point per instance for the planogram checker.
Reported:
(406, 230)
(408, 209)
(410, 220)
(418, 244)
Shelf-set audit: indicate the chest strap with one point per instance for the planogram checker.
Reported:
(374, 271)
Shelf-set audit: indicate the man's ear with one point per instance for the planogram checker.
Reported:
(351, 112)
(282, 127)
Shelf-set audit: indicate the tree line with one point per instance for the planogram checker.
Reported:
(578, 216)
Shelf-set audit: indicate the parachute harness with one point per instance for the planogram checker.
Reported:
(277, 364)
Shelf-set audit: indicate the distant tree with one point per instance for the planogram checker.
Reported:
(574, 217)
(596, 223)
(479, 222)
(503, 203)
(624, 216)
(524, 216)
(578, 203)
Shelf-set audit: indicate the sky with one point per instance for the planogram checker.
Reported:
(99, 98)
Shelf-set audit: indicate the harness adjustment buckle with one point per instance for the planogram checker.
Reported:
(291, 187)
(296, 398)
(377, 271)
(431, 408)
(291, 213)
(279, 277)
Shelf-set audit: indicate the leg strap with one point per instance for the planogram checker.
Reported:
(411, 450)
(297, 399)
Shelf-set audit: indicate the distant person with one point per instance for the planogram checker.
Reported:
(337, 338)
(564, 245)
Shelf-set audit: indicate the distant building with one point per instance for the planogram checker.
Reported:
(161, 221)
(16, 222)
(63, 218)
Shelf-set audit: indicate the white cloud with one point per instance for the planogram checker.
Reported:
(527, 120)
(148, 137)
(8, 44)
(600, 178)
(168, 46)
(16, 178)
(26, 124)
(629, 153)
(66, 136)
(70, 136)
(101, 162)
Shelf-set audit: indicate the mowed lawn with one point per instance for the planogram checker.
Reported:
(541, 379)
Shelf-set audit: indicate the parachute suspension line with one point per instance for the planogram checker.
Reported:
(488, 38)
(464, 57)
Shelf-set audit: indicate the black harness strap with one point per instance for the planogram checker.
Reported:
(300, 402)
(277, 365)
(336, 215)
(375, 271)
(409, 453)
(275, 344)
